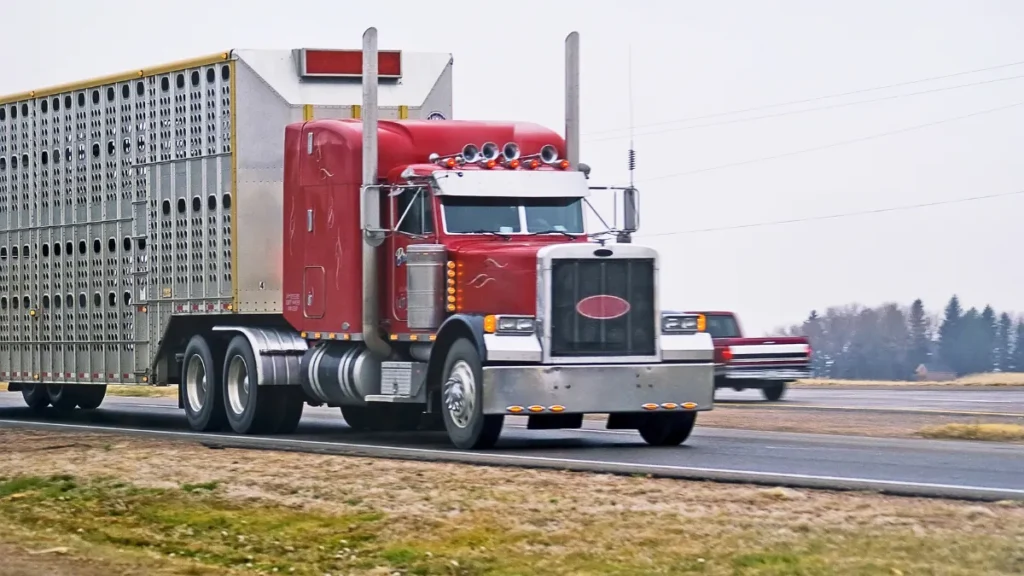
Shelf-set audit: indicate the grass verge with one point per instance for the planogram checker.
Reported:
(986, 431)
(112, 502)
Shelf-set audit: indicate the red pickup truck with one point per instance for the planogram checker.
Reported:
(768, 364)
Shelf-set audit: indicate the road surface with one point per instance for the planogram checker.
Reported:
(991, 400)
(914, 467)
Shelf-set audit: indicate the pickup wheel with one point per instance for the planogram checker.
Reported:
(774, 392)
(201, 390)
(382, 417)
(668, 428)
(462, 399)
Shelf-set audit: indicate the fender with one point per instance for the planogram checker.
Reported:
(458, 325)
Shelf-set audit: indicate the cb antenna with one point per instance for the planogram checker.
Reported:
(630, 215)
(632, 152)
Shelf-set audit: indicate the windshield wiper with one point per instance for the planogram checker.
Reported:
(553, 231)
(492, 232)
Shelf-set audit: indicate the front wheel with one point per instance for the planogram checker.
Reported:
(774, 392)
(462, 400)
(668, 428)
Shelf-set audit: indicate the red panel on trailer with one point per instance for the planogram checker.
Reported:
(349, 63)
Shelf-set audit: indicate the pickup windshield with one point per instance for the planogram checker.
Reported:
(508, 215)
(722, 326)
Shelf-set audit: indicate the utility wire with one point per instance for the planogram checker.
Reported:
(834, 144)
(835, 216)
(806, 110)
(815, 99)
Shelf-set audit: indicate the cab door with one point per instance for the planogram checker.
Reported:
(413, 212)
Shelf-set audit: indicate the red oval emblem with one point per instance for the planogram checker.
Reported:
(602, 307)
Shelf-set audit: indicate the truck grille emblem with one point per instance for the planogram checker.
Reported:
(602, 307)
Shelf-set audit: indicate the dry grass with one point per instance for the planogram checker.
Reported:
(993, 432)
(119, 505)
(140, 391)
(848, 422)
(987, 379)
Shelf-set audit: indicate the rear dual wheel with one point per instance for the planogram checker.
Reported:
(63, 397)
(219, 388)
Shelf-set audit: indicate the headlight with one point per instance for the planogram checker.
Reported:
(509, 325)
(682, 323)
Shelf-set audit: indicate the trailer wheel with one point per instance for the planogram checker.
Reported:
(200, 386)
(462, 399)
(63, 398)
(774, 392)
(91, 396)
(668, 428)
(250, 408)
(35, 396)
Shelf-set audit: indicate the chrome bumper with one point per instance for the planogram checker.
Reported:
(751, 373)
(597, 388)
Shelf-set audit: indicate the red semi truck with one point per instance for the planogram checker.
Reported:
(741, 362)
(270, 229)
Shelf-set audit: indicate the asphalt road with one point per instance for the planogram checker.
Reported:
(1002, 401)
(913, 467)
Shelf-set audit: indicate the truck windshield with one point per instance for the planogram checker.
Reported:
(722, 326)
(508, 215)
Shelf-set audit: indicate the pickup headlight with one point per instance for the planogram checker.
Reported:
(683, 323)
(505, 324)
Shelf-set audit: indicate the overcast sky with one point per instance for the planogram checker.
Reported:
(690, 59)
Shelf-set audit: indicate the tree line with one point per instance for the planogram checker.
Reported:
(891, 341)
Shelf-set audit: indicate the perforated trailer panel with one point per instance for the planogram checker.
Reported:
(129, 199)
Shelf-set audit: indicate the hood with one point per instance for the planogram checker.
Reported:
(497, 277)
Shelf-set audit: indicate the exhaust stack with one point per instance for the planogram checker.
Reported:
(369, 198)
(572, 100)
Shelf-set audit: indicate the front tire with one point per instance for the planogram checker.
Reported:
(462, 400)
(774, 392)
(201, 386)
(250, 408)
(668, 428)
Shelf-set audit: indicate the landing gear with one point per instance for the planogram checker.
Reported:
(667, 428)
(462, 400)
(774, 392)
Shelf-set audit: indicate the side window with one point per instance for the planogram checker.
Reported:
(420, 218)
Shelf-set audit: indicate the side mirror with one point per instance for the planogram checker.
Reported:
(630, 209)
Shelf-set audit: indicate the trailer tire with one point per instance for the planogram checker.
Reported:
(462, 399)
(63, 398)
(774, 392)
(35, 397)
(667, 428)
(200, 386)
(250, 408)
(91, 396)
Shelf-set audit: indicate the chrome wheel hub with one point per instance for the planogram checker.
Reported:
(196, 383)
(460, 394)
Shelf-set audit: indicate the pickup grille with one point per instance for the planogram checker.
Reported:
(576, 334)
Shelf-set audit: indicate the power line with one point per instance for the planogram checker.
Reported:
(835, 216)
(806, 110)
(815, 99)
(834, 144)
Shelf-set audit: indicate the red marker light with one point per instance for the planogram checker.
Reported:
(533, 164)
(450, 162)
(491, 164)
(513, 164)
(563, 164)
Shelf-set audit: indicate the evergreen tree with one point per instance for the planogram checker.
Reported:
(1017, 359)
(985, 349)
(920, 341)
(949, 334)
(1002, 347)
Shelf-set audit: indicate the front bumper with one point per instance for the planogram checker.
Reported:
(597, 388)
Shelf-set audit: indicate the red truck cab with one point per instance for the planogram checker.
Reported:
(767, 364)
